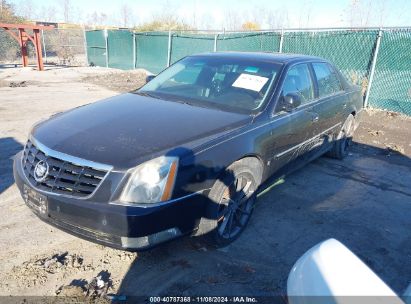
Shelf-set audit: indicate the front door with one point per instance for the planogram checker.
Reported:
(292, 131)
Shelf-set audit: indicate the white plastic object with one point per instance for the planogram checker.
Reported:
(331, 272)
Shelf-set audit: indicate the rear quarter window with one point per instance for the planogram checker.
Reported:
(327, 79)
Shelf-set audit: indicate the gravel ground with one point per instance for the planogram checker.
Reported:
(386, 130)
(119, 81)
(363, 201)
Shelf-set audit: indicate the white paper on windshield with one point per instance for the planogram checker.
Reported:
(250, 82)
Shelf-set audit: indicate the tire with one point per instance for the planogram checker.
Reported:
(344, 139)
(231, 202)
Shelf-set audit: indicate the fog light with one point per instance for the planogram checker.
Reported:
(151, 239)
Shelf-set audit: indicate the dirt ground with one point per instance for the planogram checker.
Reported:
(363, 201)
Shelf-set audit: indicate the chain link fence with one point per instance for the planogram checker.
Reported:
(249, 42)
(356, 52)
(151, 51)
(59, 46)
(391, 87)
(64, 47)
(96, 48)
(350, 51)
(10, 49)
(184, 44)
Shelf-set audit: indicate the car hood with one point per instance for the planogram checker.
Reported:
(122, 130)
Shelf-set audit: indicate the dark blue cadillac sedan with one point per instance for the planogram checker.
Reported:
(187, 152)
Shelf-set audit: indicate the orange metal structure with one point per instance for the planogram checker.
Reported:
(23, 37)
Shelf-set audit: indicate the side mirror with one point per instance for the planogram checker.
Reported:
(290, 101)
(149, 78)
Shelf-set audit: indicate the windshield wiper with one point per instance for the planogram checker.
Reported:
(183, 102)
(147, 94)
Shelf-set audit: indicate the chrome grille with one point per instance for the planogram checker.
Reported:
(63, 177)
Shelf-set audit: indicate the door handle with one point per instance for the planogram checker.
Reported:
(315, 117)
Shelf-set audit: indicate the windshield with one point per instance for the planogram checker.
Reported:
(232, 84)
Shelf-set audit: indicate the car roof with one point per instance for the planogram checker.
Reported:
(283, 58)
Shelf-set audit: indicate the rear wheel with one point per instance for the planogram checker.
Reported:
(232, 200)
(344, 139)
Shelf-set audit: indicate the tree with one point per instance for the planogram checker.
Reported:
(9, 48)
(276, 19)
(305, 14)
(163, 25)
(49, 13)
(6, 12)
(76, 15)
(66, 8)
(250, 26)
(125, 15)
(368, 12)
(165, 19)
(206, 22)
(232, 20)
(97, 18)
(27, 9)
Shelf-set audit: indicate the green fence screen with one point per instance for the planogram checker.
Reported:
(96, 48)
(351, 51)
(255, 42)
(183, 45)
(120, 49)
(151, 51)
(354, 55)
(391, 88)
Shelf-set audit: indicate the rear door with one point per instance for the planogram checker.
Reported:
(331, 97)
(291, 131)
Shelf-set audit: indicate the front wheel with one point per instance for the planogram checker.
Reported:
(231, 202)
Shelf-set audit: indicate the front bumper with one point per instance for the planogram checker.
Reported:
(124, 227)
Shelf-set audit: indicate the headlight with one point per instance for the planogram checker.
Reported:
(152, 181)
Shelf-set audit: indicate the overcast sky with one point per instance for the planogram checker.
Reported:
(219, 14)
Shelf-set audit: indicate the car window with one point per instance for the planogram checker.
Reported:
(298, 81)
(328, 82)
